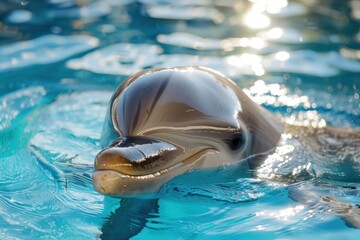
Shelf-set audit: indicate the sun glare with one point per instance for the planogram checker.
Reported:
(275, 33)
(256, 20)
(282, 56)
(256, 17)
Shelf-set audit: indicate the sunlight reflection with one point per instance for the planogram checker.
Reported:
(283, 214)
(275, 33)
(256, 17)
(271, 6)
(259, 228)
(244, 42)
(254, 42)
(257, 43)
(282, 56)
(256, 20)
(300, 168)
(277, 94)
(288, 162)
(306, 119)
(275, 6)
(269, 169)
(248, 59)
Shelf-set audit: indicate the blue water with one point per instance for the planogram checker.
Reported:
(60, 60)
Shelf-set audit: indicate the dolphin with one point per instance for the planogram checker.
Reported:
(164, 122)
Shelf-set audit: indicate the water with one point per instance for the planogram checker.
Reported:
(60, 60)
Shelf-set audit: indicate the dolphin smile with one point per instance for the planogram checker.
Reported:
(145, 157)
(121, 165)
(197, 156)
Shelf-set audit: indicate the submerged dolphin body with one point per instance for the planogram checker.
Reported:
(164, 122)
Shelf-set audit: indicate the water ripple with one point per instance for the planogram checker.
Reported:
(19, 102)
(63, 173)
(19, 16)
(43, 50)
(190, 40)
(89, 11)
(185, 13)
(118, 59)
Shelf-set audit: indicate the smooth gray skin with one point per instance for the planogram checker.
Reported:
(164, 122)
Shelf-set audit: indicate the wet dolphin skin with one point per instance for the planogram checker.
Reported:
(165, 122)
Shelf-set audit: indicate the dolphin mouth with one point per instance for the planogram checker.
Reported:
(189, 160)
(144, 176)
(134, 167)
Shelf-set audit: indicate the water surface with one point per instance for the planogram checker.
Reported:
(60, 60)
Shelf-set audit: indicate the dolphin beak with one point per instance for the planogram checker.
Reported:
(130, 165)
(136, 156)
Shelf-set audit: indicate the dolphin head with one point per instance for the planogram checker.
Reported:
(165, 122)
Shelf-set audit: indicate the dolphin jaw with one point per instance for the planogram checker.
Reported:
(113, 183)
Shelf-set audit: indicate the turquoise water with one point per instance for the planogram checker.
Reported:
(60, 60)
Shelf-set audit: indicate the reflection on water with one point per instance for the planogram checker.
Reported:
(60, 60)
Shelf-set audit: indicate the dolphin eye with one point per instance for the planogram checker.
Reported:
(236, 142)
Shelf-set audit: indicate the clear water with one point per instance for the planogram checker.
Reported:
(60, 60)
